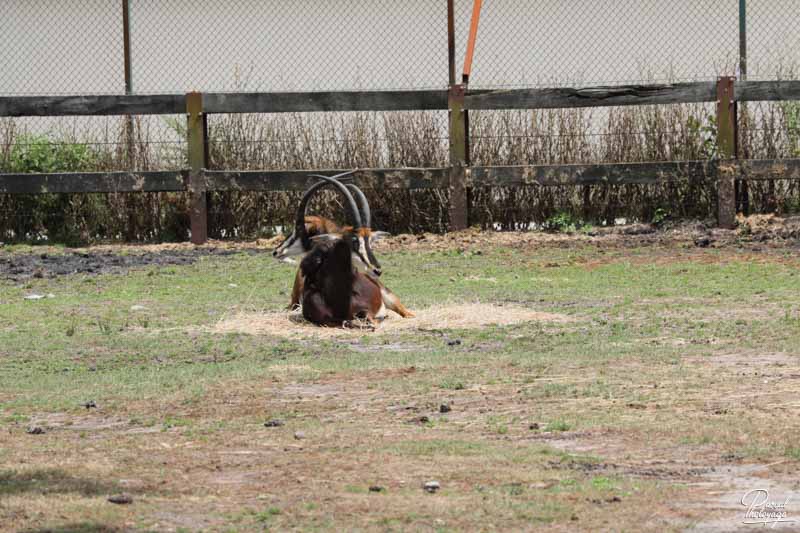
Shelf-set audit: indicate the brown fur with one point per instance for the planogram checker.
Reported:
(316, 225)
(390, 299)
(334, 293)
(392, 302)
(319, 225)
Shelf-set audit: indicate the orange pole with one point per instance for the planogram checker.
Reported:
(473, 34)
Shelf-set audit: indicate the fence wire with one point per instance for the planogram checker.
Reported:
(76, 46)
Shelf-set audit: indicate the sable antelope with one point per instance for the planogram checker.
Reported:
(308, 228)
(334, 292)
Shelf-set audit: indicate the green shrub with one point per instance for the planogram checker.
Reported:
(37, 153)
(62, 218)
(563, 222)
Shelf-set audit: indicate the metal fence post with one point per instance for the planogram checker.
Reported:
(126, 50)
(726, 147)
(742, 187)
(195, 132)
(743, 39)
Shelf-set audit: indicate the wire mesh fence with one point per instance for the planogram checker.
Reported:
(76, 46)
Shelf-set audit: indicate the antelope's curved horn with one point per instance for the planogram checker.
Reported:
(350, 203)
(366, 215)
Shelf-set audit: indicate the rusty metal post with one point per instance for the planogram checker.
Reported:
(126, 44)
(459, 159)
(726, 147)
(743, 39)
(198, 211)
(451, 43)
(126, 50)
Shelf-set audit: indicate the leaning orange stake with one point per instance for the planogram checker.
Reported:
(473, 34)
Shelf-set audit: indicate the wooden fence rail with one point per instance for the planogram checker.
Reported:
(650, 173)
(458, 177)
(431, 100)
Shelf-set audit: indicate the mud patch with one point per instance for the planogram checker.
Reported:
(459, 316)
(20, 267)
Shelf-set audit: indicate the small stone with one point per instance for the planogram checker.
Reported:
(702, 242)
(275, 423)
(121, 499)
(35, 430)
(431, 486)
(138, 308)
(299, 435)
(444, 408)
(376, 488)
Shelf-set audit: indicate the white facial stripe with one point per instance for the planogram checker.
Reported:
(360, 257)
(362, 250)
(291, 247)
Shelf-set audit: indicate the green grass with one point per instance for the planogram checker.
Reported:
(630, 360)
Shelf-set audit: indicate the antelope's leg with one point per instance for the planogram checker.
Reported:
(391, 301)
(297, 290)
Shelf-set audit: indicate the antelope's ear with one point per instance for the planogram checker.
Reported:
(326, 237)
(378, 235)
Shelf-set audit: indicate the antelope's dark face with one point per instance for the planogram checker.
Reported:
(294, 245)
(360, 242)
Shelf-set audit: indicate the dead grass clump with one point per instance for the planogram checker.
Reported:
(454, 316)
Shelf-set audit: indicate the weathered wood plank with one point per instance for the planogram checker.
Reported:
(53, 106)
(402, 178)
(196, 183)
(159, 104)
(622, 95)
(755, 91)
(325, 101)
(459, 159)
(769, 169)
(726, 145)
(610, 174)
(90, 182)
(299, 180)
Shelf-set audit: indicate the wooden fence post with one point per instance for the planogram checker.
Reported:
(726, 146)
(198, 213)
(459, 158)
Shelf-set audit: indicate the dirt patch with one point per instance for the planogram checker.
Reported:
(458, 316)
(20, 267)
(750, 483)
(758, 233)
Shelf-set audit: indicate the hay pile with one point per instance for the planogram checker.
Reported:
(458, 316)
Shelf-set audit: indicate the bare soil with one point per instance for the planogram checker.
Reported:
(757, 234)
(51, 263)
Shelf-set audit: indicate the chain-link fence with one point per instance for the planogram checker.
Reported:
(176, 46)
(76, 46)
